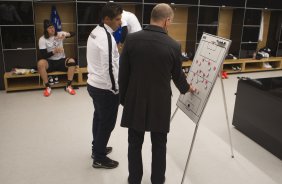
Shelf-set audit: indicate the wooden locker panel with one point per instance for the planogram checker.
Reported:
(266, 20)
(178, 28)
(66, 12)
(224, 23)
(70, 50)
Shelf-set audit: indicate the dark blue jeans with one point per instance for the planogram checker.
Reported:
(135, 166)
(104, 119)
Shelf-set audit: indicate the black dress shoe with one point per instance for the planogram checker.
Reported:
(131, 182)
(106, 164)
(108, 151)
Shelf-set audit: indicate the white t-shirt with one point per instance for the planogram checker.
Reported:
(98, 59)
(51, 43)
(130, 20)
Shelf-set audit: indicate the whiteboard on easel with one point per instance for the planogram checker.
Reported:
(202, 75)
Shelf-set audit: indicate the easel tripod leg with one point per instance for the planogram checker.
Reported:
(190, 152)
(226, 115)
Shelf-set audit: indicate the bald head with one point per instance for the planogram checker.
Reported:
(161, 12)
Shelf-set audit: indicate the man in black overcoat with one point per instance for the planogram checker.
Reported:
(149, 60)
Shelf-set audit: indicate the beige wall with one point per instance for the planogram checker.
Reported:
(178, 29)
(224, 22)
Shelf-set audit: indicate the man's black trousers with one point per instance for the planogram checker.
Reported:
(104, 119)
(135, 166)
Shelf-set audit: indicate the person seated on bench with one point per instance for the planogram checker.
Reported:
(53, 57)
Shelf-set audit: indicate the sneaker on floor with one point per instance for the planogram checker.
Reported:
(47, 92)
(106, 164)
(70, 90)
(108, 151)
(224, 75)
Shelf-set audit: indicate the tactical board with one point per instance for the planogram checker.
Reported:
(206, 65)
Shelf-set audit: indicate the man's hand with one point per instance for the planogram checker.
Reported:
(192, 89)
(58, 50)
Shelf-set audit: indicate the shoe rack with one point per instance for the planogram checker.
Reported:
(15, 82)
(247, 65)
(252, 65)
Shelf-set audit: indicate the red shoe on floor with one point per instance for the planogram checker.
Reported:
(225, 75)
(47, 92)
(70, 90)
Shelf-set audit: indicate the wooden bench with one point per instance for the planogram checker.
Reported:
(15, 82)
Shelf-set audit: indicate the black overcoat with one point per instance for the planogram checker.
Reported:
(149, 60)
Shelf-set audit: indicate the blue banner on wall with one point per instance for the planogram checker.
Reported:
(55, 19)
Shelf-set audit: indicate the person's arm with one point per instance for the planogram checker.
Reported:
(124, 32)
(178, 75)
(45, 54)
(62, 35)
(43, 49)
(124, 73)
(71, 34)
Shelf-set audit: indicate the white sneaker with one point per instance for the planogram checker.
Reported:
(56, 79)
(51, 80)
(267, 65)
(234, 68)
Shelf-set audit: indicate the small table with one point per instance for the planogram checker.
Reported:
(258, 112)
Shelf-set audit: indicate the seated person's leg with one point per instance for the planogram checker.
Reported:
(66, 65)
(42, 67)
(71, 65)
